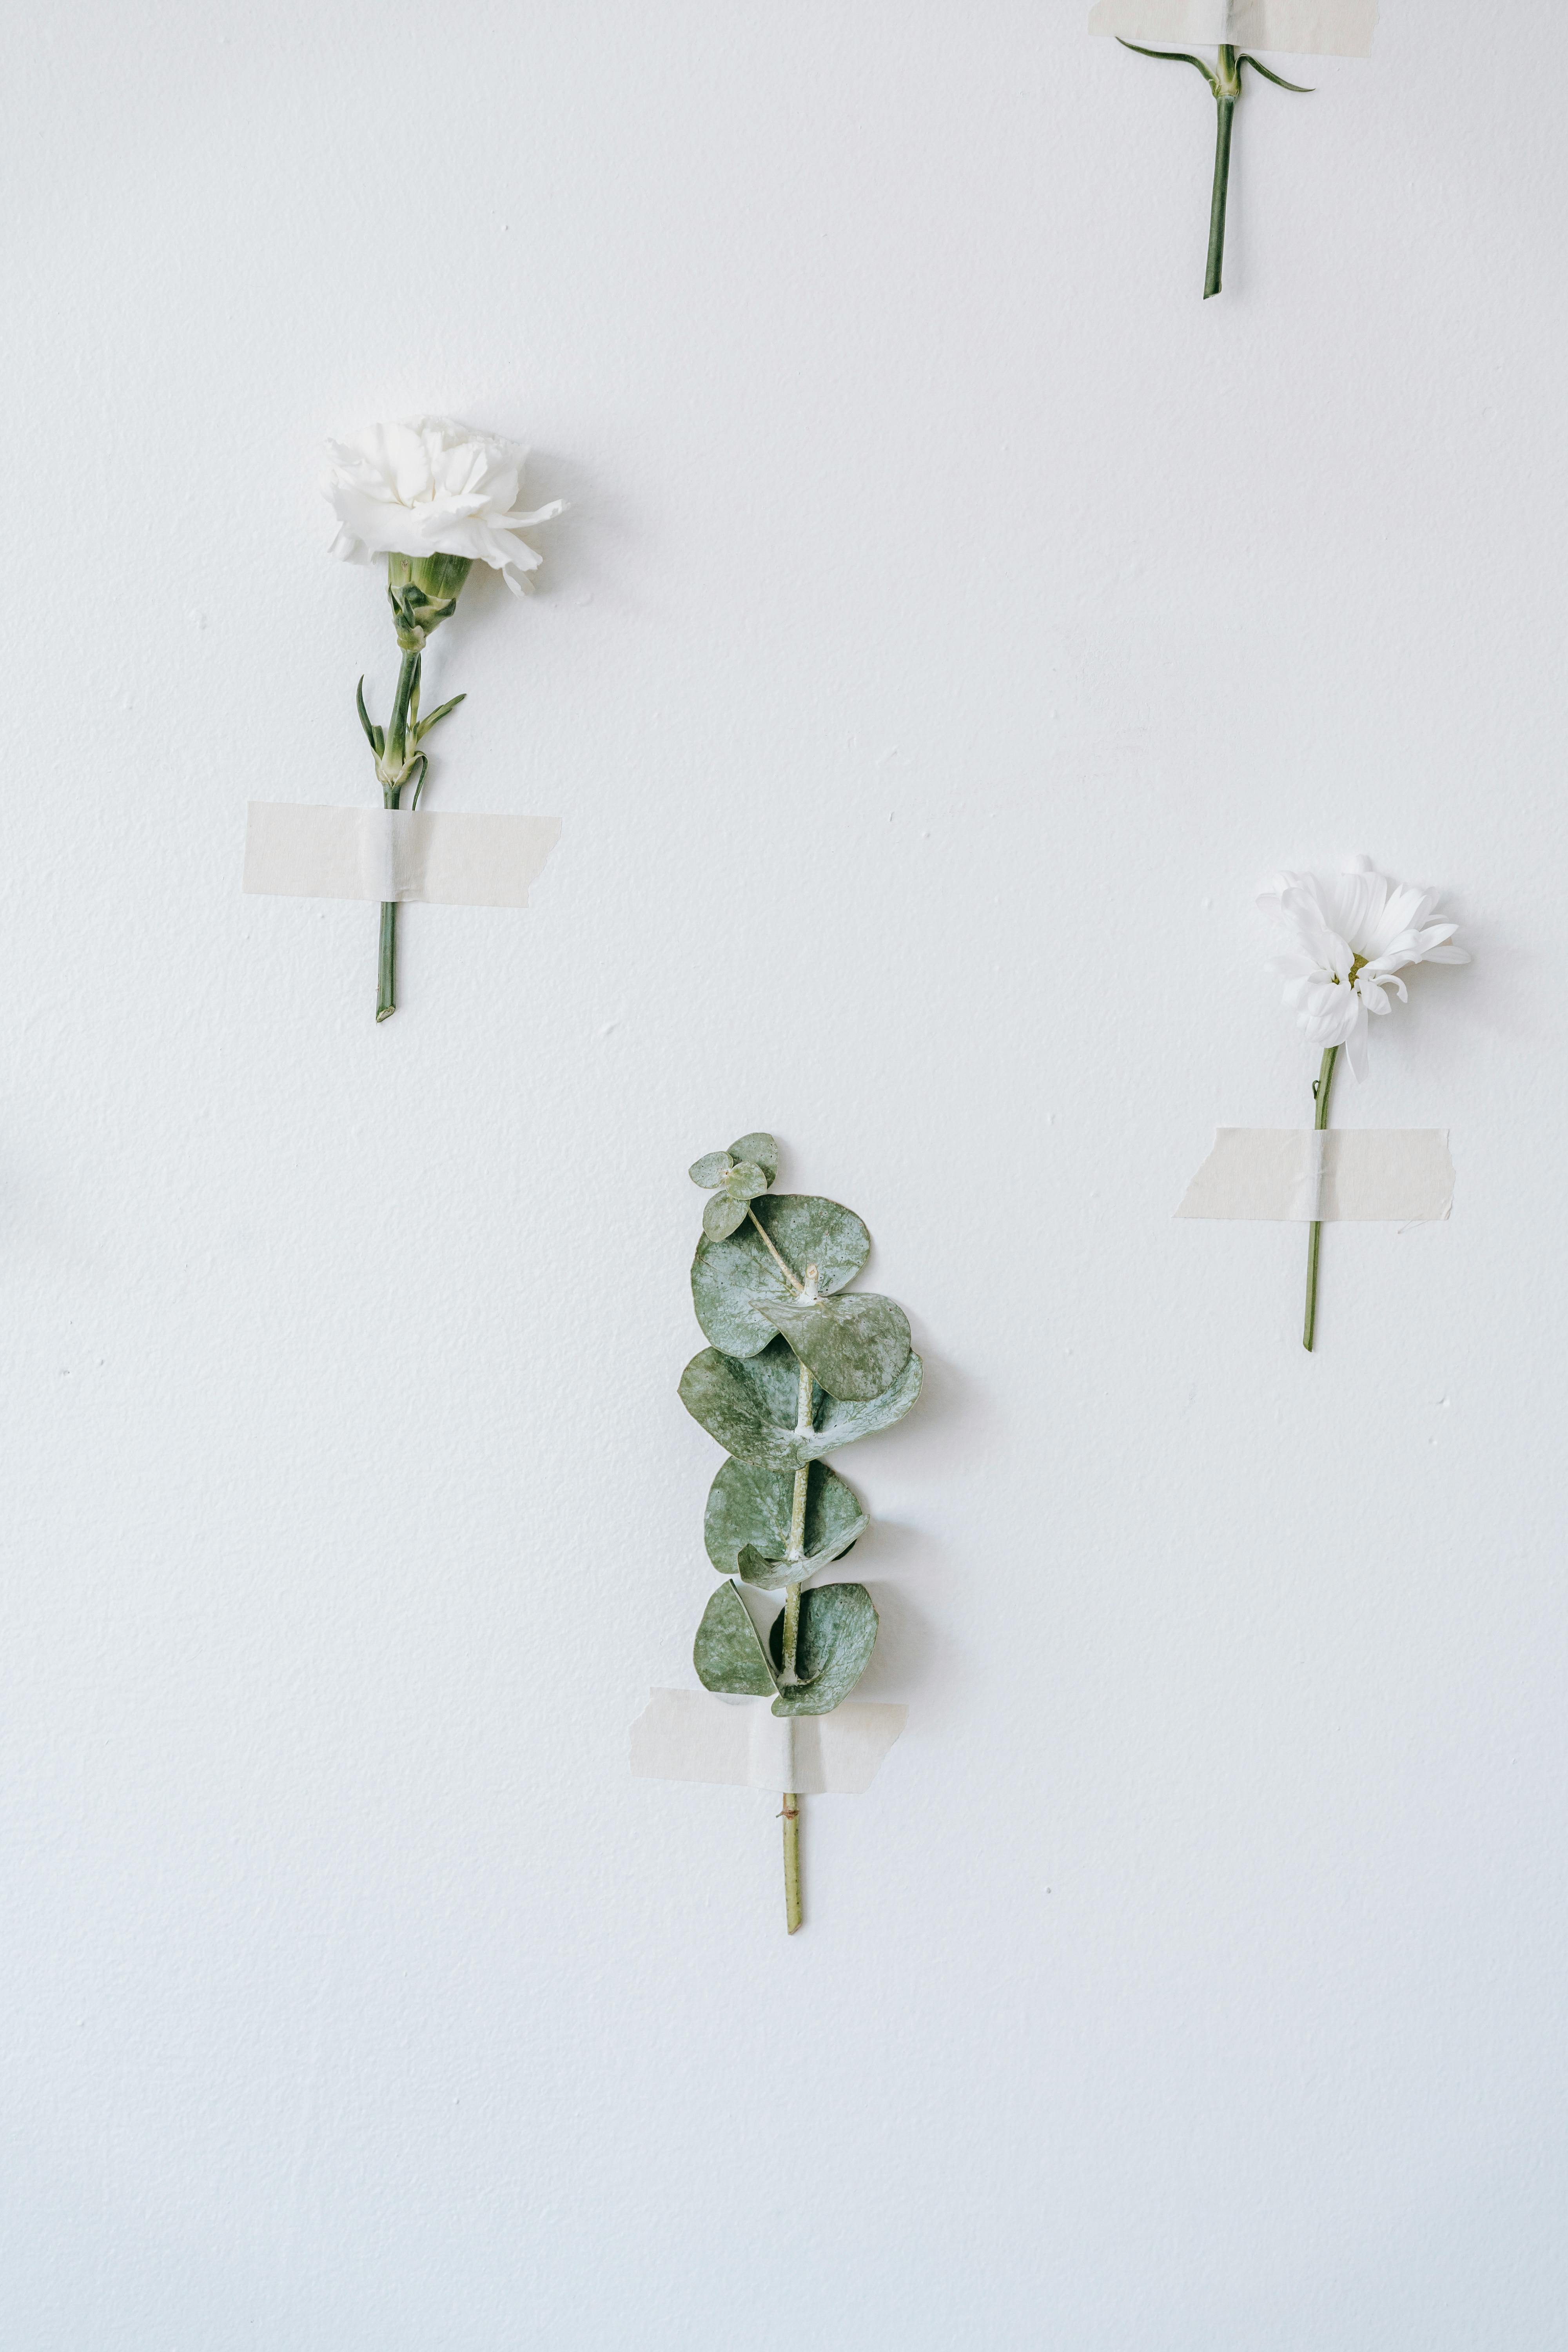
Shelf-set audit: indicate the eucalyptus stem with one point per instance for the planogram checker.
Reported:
(1227, 89)
(789, 1641)
(769, 1244)
(1315, 1235)
(397, 762)
(791, 1860)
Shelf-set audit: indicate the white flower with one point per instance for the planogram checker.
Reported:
(1350, 935)
(432, 488)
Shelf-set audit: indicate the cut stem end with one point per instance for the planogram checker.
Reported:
(386, 963)
(791, 1860)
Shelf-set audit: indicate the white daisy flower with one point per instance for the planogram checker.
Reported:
(1350, 936)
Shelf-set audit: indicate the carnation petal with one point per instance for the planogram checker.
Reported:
(434, 487)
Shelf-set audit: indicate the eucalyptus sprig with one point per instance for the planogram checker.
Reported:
(1223, 78)
(796, 1367)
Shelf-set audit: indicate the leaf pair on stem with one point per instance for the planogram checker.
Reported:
(1223, 78)
(422, 591)
(416, 730)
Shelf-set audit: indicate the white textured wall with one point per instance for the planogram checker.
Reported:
(955, 621)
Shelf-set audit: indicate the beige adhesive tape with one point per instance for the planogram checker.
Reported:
(438, 857)
(694, 1735)
(1332, 29)
(1349, 1175)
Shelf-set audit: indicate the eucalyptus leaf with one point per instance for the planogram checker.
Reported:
(756, 1568)
(711, 1170)
(749, 1406)
(728, 1652)
(732, 1280)
(840, 1424)
(837, 1636)
(855, 1346)
(721, 1214)
(749, 1510)
(761, 1150)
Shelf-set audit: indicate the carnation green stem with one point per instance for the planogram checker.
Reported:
(1315, 1235)
(1226, 92)
(396, 760)
(386, 961)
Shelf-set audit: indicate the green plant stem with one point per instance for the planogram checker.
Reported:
(1315, 1234)
(795, 1547)
(396, 760)
(792, 1279)
(790, 1642)
(386, 961)
(1227, 89)
(791, 1860)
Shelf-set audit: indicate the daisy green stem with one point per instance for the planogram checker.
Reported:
(1315, 1232)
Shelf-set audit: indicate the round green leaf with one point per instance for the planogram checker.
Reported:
(761, 1150)
(711, 1170)
(727, 1651)
(855, 1346)
(756, 1568)
(749, 1507)
(833, 1647)
(839, 1424)
(731, 1279)
(749, 1406)
(745, 1181)
(721, 1214)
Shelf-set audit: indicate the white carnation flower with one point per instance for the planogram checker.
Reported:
(432, 488)
(1350, 934)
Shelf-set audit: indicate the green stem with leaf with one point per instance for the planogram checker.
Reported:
(405, 699)
(1227, 89)
(855, 1373)
(422, 591)
(1223, 78)
(1314, 1238)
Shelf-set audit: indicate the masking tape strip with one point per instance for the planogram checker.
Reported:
(440, 857)
(1332, 29)
(683, 1735)
(1347, 1175)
